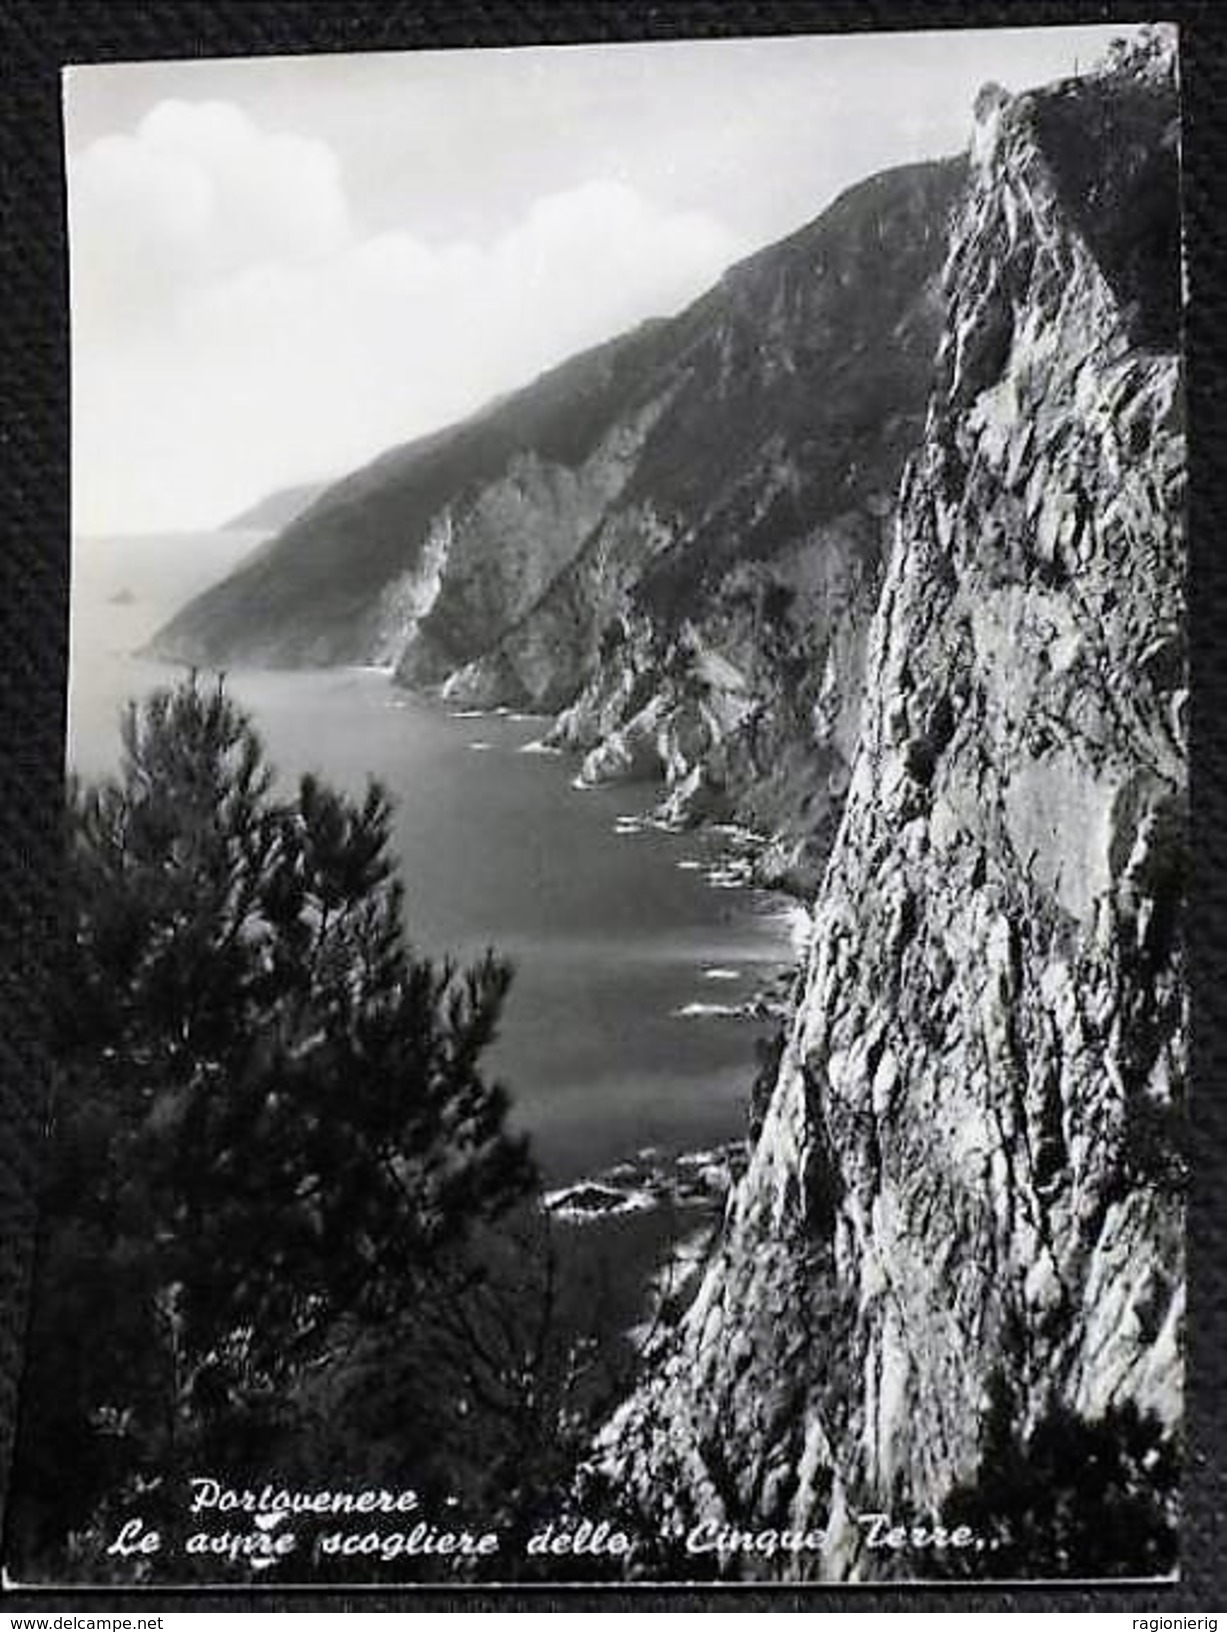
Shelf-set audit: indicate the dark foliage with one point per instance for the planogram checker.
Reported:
(1114, 147)
(1070, 1498)
(269, 1127)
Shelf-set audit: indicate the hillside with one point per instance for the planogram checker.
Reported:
(276, 510)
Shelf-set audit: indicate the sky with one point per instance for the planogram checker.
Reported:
(281, 267)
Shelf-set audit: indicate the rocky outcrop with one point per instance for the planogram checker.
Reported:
(504, 547)
(747, 708)
(967, 1187)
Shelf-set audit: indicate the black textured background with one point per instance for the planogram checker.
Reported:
(36, 38)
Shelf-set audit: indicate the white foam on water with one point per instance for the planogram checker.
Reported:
(589, 1203)
(725, 881)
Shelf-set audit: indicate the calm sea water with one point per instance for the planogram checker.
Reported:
(612, 933)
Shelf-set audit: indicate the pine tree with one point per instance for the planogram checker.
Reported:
(269, 1119)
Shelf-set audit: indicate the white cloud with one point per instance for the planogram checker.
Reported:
(233, 331)
(199, 191)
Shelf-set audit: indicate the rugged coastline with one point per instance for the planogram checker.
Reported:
(874, 559)
(672, 545)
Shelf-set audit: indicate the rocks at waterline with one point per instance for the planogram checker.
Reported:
(651, 1179)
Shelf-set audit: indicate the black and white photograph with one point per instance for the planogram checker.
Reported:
(622, 1016)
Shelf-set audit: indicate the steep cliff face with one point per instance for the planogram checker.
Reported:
(967, 1184)
(676, 538)
(710, 633)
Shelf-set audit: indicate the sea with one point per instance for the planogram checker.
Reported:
(634, 949)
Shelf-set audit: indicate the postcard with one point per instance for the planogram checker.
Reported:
(622, 1015)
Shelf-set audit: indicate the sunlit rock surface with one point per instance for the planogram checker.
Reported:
(969, 1174)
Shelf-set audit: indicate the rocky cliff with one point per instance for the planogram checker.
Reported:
(677, 539)
(960, 1235)
(710, 633)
